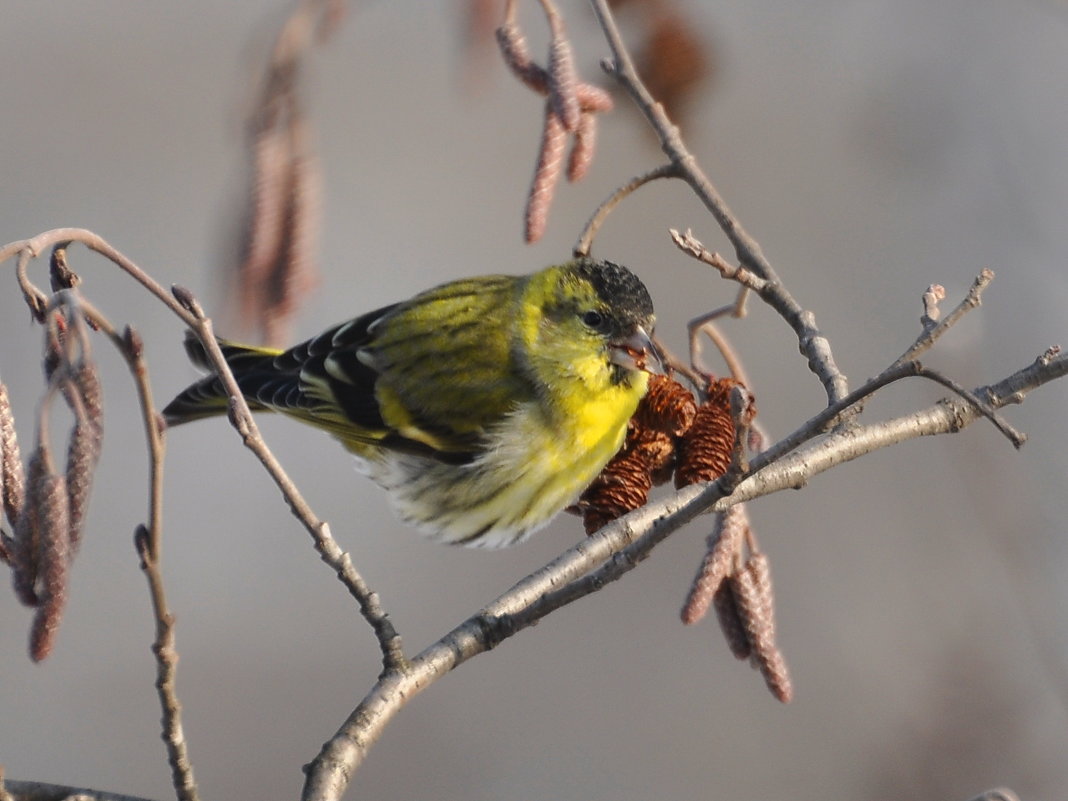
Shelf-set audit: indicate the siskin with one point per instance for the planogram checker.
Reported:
(483, 406)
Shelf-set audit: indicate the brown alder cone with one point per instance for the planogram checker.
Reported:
(666, 413)
(704, 453)
(646, 458)
(667, 407)
(621, 487)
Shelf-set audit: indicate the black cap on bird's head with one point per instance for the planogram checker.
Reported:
(631, 318)
(621, 289)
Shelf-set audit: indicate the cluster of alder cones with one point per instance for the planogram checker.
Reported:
(669, 435)
(672, 436)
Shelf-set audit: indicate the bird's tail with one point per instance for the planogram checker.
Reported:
(251, 366)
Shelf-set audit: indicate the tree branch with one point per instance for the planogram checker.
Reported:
(812, 342)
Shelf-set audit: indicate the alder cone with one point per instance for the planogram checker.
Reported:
(646, 458)
(704, 452)
(669, 433)
(621, 487)
(667, 407)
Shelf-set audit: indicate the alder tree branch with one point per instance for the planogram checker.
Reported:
(811, 340)
(589, 232)
(902, 366)
(933, 330)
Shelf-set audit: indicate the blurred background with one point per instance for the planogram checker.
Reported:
(873, 147)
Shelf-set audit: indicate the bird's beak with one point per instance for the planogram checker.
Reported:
(637, 352)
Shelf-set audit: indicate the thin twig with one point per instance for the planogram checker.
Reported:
(593, 225)
(767, 290)
(692, 246)
(166, 655)
(148, 542)
(704, 325)
(675, 364)
(325, 544)
(811, 341)
(621, 67)
(931, 334)
(28, 249)
(1017, 438)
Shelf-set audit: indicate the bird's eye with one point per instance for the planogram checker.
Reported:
(593, 318)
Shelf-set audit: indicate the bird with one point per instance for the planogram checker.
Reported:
(484, 406)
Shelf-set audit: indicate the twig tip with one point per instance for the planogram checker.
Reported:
(187, 300)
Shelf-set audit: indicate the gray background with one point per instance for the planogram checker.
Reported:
(873, 147)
